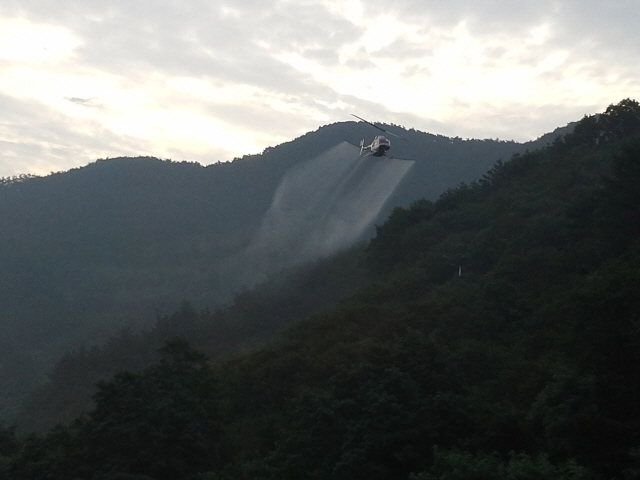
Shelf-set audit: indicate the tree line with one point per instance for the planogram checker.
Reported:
(494, 336)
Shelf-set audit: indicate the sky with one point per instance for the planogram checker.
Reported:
(211, 80)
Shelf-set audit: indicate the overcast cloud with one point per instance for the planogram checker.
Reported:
(210, 80)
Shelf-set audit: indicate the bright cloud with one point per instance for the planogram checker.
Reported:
(210, 80)
(26, 42)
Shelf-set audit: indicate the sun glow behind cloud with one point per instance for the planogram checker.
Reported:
(447, 67)
(26, 42)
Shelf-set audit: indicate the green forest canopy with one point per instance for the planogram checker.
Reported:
(495, 337)
(89, 251)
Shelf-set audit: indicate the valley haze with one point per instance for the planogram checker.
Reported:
(471, 312)
(103, 247)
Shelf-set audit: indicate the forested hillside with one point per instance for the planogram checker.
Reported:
(494, 336)
(87, 252)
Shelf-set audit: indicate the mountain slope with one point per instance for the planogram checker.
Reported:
(503, 318)
(86, 252)
(496, 338)
(77, 243)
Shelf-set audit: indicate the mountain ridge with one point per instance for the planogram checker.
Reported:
(87, 252)
(494, 336)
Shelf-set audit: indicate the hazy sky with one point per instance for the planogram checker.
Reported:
(209, 80)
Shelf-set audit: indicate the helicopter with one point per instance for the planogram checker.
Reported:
(380, 145)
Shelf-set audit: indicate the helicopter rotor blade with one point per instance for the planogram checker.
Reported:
(379, 128)
(397, 136)
(372, 124)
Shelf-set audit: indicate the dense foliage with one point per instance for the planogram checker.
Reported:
(496, 338)
(85, 252)
(256, 316)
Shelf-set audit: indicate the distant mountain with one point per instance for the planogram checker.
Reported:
(86, 252)
(493, 334)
